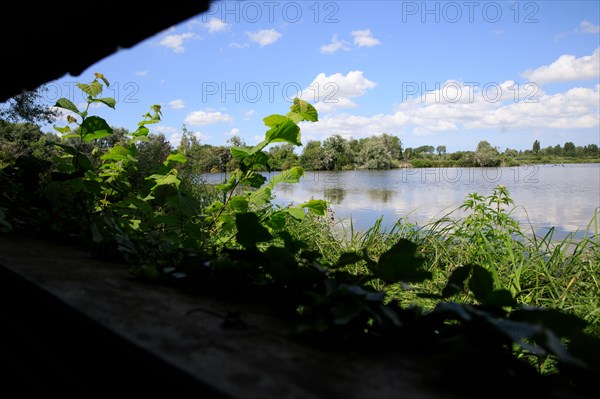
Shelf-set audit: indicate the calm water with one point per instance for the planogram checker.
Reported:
(545, 195)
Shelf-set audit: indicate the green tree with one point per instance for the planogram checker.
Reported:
(380, 152)
(28, 107)
(313, 156)
(24, 139)
(336, 151)
(569, 149)
(486, 154)
(441, 150)
(282, 157)
(536, 147)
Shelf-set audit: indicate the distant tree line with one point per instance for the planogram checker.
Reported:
(382, 151)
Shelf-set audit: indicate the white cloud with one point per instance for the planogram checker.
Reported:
(334, 46)
(587, 27)
(333, 92)
(176, 104)
(248, 114)
(239, 45)
(215, 25)
(175, 42)
(577, 108)
(584, 27)
(201, 118)
(233, 132)
(142, 74)
(364, 38)
(264, 37)
(567, 67)
(175, 138)
(166, 130)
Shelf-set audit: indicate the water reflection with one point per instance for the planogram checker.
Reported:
(382, 196)
(566, 197)
(335, 195)
(545, 196)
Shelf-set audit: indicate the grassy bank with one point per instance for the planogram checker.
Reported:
(537, 270)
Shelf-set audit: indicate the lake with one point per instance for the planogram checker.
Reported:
(564, 196)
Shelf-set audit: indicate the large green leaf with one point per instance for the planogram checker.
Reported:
(274, 120)
(66, 104)
(348, 258)
(95, 127)
(286, 131)
(238, 204)
(116, 153)
(141, 132)
(456, 282)
(481, 282)
(297, 213)
(261, 196)
(302, 111)
(260, 158)
(162, 180)
(92, 89)
(107, 101)
(177, 157)
(318, 207)
(291, 175)
(399, 263)
(97, 135)
(250, 231)
(239, 153)
(253, 180)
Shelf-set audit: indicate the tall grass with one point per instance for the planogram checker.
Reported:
(538, 269)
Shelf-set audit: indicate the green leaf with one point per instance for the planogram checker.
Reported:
(318, 207)
(116, 153)
(66, 104)
(70, 136)
(92, 89)
(302, 111)
(297, 213)
(82, 162)
(260, 158)
(238, 204)
(141, 131)
(253, 180)
(95, 127)
(349, 258)
(399, 263)
(481, 282)
(276, 221)
(176, 157)
(68, 149)
(107, 101)
(261, 196)
(239, 153)
(286, 131)
(97, 135)
(250, 231)
(274, 120)
(63, 130)
(162, 180)
(456, 282)
(499, 298)
(291, 175)
(101, 76)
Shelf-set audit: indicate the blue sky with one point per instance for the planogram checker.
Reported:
(432, 73)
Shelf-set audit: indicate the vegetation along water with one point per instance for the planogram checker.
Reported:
(474, 271)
